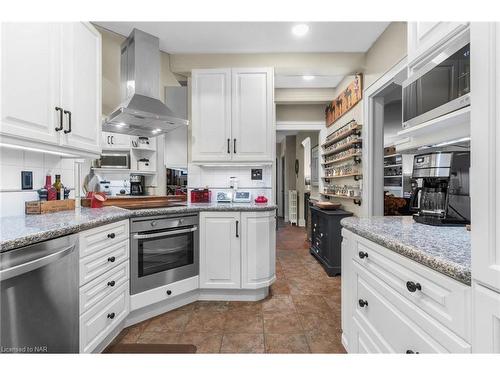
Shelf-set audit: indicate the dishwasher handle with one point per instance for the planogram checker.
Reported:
(34, 264)
(163, 234)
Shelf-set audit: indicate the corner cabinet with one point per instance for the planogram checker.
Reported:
(51, 86)
(232, 114)
(237, 250)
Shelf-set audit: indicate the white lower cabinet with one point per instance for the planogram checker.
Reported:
(237, 250)
(486, 338)
(104, 282)
(381, 314)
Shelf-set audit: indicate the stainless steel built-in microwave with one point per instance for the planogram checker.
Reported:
(440, 87)
(119, 160)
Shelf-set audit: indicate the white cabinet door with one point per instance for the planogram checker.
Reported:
(30, 87)
(423, 37)
(116, 141)
(258, 249)
(485, 162)
(211, 115)
(486, 338)
(252, 114)
(220, 250)
(81, 77)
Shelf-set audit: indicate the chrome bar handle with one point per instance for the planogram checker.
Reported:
(163, 234)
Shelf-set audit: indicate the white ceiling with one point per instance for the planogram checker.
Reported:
(255, 37)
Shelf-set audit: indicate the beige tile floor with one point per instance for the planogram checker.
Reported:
(301, 314)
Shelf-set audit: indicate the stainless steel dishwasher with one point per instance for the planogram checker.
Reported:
(39, 297)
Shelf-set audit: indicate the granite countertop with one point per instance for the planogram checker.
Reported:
(18, 231)
(444, 249)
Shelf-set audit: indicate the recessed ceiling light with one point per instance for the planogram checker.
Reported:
(300, 30)
(307, 78)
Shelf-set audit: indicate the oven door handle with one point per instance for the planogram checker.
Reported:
(163, 234)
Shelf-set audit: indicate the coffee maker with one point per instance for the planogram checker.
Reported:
(136, 184)
(440, 195)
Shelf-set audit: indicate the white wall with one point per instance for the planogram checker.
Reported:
(301, 112)
(392, 122)
(300, 182)
(12, 162)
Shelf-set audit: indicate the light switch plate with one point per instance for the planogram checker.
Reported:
(256, 174)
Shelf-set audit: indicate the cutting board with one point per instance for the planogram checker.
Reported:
(138, 202)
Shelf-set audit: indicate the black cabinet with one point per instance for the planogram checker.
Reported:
(326, 238)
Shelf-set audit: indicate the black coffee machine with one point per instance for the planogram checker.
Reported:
(136, 184)
(440, 195)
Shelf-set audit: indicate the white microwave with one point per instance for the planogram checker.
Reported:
(440, 87)
(116, 160)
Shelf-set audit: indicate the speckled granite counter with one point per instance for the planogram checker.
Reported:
(443, 249)
(18, 231)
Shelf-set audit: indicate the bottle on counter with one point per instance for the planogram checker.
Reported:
(58, 186)
(51, 191)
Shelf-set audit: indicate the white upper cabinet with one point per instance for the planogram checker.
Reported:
(232, 114)
(81, 95)
(49, 70)
(424, 37)
(116, 141)
(252, 114)
(211, 115)
(31, 80)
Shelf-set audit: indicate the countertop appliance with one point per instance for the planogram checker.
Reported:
(137, 184)
(224, 197)
(440, 87)
(441, 194)
(115, 160)
(141, 112)
(143, 164)
(39, 297)
(164, 249)
(241, 196)
(201, 196)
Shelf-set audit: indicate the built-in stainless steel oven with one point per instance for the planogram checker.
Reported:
(164, 249)
(441, 86)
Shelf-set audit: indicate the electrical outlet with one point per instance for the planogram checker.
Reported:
(256, 174)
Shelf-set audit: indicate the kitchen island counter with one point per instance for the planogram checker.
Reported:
(444, 249)
(24, 230)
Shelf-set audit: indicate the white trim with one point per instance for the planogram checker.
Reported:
(300, 125)
(370, 190)
(302, 223)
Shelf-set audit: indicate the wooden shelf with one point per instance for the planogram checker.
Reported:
(342, 136)
(342, 159)
(345, 175)
(342, 148)
(393, 165)
(391, 156)
(397, 176)
(143, 149)
(118, 170)
(356, 200)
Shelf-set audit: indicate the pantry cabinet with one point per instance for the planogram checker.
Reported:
(232, 114)
(237, 250)
(424, 37)
(51, 86)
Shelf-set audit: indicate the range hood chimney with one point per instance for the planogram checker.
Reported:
(141, 112)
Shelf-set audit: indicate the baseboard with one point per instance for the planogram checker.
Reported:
(233, 295)
(344, 342)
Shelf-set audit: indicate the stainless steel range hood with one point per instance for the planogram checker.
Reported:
(141, 111)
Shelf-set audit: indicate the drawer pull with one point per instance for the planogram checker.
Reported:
(111, 259)
(409, 351)
(111, 316)
(111, 235)
(413, 287)
(169, 292)
(363, 303)
(111, 283)
(362, 255)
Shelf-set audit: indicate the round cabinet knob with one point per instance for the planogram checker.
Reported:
(413, 287)
(111, 283)
(111, 316)
(362, 255)
(169, 292)
(111, 259)
(363, 303)
(111, 235)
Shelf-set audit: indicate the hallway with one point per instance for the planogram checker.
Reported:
(301, 314)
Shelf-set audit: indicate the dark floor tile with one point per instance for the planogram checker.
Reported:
(286, 343)
(242, 343)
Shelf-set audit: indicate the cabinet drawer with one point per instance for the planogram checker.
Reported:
(99, 238)
(443, 298)
(99, 321)
(395, 324)
(102, 261)
(94, 291)
(162, 293)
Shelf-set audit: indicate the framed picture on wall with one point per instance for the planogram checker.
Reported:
(315, 166)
